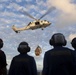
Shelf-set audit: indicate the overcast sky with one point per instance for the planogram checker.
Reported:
(63, 20)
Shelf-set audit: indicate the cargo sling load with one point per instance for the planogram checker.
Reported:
(38, 51)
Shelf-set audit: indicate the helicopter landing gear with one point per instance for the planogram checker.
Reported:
(17, 31)
(42, 28)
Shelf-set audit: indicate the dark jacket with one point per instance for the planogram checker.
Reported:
(58, 61)
(23, 64)
(75, 58)
(3, 63)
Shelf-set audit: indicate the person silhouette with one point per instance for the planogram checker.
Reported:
(58, 60)
(73, 44)
(23, 64)
(3, 63)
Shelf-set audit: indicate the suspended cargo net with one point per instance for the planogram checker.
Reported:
(38, 51)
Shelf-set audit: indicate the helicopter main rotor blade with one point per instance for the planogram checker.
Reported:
(49, 10)
(25, 13)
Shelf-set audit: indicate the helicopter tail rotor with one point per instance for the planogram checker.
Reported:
(15, 29)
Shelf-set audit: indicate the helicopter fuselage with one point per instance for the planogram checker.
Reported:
(33, 25)
(38, 24)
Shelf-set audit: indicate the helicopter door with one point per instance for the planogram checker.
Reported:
(37, 23)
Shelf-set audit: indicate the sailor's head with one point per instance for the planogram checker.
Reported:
(58, 39)
(23, 47)
(1, 43)
(73, 43)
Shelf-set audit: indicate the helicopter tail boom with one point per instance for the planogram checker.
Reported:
(17, 30)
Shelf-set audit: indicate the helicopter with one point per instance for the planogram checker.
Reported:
(36, 24)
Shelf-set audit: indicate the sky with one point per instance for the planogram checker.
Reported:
(63, 20)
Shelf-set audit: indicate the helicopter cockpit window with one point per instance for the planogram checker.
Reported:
(37, 23)
(46, 21)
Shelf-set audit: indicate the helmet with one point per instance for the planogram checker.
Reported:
(23, 47)
(1, 43)
(73, 42)
(58, 39)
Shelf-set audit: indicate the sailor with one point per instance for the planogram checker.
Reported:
(58, 60)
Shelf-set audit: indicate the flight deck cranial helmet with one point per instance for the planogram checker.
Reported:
(73, 43)
(58, 39)
(1, 43)
(23, 47)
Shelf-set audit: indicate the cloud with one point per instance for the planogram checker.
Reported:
(4, 0)
(28, 0)
(71, 36)
(18, 0)
(41, 2)
(1, 6)
(66, 14)
(14, 6)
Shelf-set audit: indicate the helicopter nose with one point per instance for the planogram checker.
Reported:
(49, 23)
